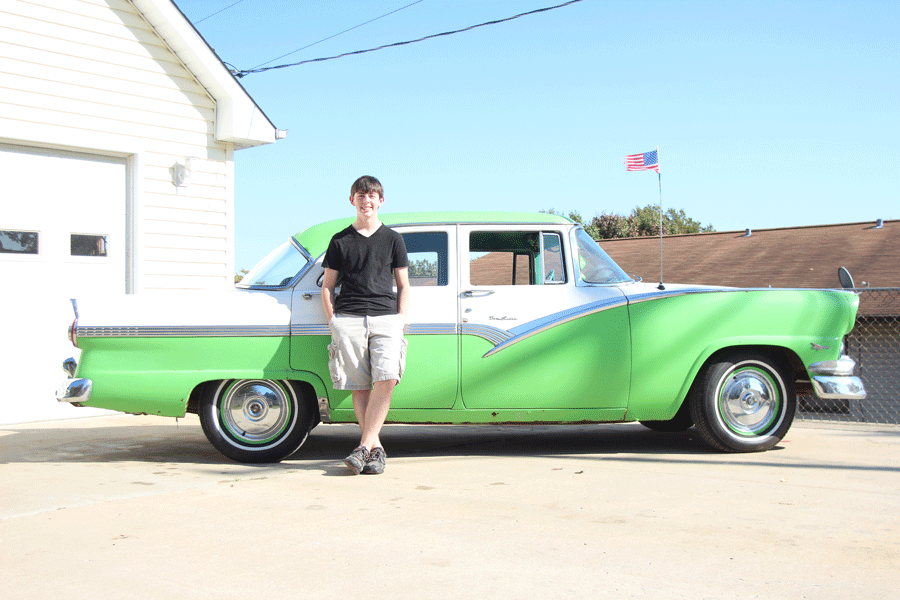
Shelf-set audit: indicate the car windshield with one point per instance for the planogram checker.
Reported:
(278, 268)
(595, 265)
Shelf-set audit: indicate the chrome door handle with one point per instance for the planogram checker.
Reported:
(480, 293)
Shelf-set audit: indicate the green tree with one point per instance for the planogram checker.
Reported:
(674, 222)
(423, 268)
(240, 275)
(641, 222)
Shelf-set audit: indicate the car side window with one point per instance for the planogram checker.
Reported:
(427, 253)
(515, 258)
(552, 263)
(503, 257)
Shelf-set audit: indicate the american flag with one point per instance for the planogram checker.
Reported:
(647, 161)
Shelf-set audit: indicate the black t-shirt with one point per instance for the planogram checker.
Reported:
(366, 265)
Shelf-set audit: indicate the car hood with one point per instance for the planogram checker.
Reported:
(160, 309)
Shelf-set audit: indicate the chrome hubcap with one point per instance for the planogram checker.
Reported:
(255, 411)
(749, 400)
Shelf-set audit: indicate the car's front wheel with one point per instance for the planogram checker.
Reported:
(743, 402)
(255, 420)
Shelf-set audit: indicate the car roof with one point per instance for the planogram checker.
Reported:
(316, 238)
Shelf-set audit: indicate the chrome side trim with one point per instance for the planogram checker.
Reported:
(432, 329)
(526, 330)
(494, 335)
(309, 329)
(838, 388)
(183, 331)
(410, 329)
(74, 390)
(638, 298)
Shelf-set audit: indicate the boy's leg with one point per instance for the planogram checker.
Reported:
(387, 349)
(371, 408)
(349, 366)
(360, 403)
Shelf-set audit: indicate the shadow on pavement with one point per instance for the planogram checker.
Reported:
(328, 444)
(185, 442)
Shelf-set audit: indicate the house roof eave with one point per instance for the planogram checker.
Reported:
(239, 120)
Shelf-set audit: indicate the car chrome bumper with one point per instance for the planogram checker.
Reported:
(834, 380)
(73, 389)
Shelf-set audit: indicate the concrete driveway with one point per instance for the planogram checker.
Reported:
(142, 507)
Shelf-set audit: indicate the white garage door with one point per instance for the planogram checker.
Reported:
(62, 234)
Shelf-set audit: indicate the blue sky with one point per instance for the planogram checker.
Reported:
(766, 114)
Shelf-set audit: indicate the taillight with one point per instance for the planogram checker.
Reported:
(72, 335)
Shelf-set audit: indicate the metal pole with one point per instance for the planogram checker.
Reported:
(659, 174)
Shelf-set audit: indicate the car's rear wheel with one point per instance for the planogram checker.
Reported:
(255, 420)
(743, 402)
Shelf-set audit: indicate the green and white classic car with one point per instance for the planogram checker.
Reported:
(515, 318)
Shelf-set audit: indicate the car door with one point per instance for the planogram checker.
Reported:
(431, 377)
(530, 337)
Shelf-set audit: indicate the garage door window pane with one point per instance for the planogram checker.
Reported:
(88, 245)
(18, 242)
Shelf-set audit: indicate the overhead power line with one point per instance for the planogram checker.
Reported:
(335, 35)
(218, 11)
(245, 72)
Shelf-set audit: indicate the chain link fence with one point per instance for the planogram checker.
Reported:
(874, 344)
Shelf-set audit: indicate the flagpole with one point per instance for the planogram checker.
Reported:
(642, 162)
(659, 174)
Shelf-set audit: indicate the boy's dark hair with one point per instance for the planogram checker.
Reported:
(367, 184)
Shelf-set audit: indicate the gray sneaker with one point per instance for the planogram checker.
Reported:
(357, 460)
(375, 463)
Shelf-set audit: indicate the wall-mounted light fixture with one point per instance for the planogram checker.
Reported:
(182, 173)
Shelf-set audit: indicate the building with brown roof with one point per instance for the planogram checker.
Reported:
(804, 257)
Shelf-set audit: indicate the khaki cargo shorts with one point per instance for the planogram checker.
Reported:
(364, 350)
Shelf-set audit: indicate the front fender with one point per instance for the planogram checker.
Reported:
(674, 335)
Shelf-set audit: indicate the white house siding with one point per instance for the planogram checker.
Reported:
(92, 77)
(187, 231)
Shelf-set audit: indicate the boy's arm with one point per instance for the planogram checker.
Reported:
(403, 289)
(328, 283)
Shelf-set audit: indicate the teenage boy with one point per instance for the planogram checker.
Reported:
(368, 351)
